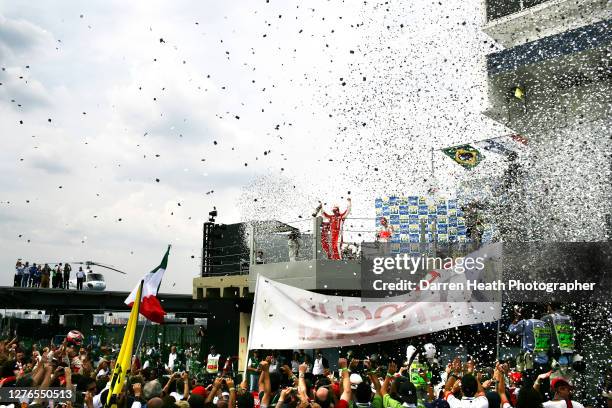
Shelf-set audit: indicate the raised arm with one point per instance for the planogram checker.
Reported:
(267, 386)
(501, 386)
(68, 377)
(372, 375)
(391, 370)
(287, 370)
(451, 385)
(345, 373)
(232, 392)
(215, 389)
(185, 377)
(166, 389)
(538, 381)
(348, 208)
(301, 381)
(481, 390)
(282, 397)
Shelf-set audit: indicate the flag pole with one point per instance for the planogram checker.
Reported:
(432, 163)
(144, 326)
(246, 362)
(497, 338)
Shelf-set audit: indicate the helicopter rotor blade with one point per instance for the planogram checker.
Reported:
(106, 267)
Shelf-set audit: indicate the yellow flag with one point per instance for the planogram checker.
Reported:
(124, 360)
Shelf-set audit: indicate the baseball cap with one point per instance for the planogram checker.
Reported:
(199, 390)
(516, 377)
(559, 381)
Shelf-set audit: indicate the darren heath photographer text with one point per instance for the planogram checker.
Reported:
(512, 284)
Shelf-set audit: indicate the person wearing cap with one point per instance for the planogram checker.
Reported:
(562, 397)
(103, 368)
(199, 390)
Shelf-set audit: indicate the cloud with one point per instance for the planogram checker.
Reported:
(50, 165)
(19, 37)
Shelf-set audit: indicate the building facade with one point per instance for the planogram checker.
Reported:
(552, 84)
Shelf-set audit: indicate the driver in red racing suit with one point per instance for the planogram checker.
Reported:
(336, 221)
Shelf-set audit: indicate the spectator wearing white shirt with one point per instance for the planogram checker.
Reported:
(473, 395)
(320, 363)
(295, 362)
(103, 369)
(172, 357)
(563, 395)
(19, 268)
(80, 277)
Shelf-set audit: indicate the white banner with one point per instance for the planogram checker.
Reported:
(285, 317)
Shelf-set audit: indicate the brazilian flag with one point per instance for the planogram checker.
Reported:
(466, 155)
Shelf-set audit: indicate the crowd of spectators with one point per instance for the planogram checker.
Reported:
(273, 380)
(44, 276)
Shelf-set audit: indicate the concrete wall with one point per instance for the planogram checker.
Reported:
(232, 286)
(549, 18)
(311, 275)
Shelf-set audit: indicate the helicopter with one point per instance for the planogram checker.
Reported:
(94, 281)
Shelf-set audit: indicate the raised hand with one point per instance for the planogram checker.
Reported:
(456, 386)
(137, 388)
(544, 376)
(89, 399)
(217, 382)
(286, 391)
